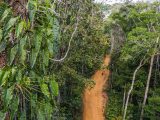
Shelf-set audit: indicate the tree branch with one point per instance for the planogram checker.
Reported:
(131, 88)
(147, 87)
(69, 44)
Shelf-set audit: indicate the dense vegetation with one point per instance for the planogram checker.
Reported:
(49, 49)
(135, 73)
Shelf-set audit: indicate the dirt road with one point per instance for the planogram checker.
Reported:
(94, 100)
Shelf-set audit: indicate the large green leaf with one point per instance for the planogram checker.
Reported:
(48, 110)
(44, 89)
(22, 50)
(13, 73)
(32, 7)
(38, 40)
(34, 55)
(13, 53)
(35, 51)
(2, 46)
(56, 34)
(19, 28)
(5, 77)
(45, 57)
(56, 28)
(50, 47)
(8, 95)
(19, 77)
(11, 23)
(54, 87)
(5, 14)
(1, 75)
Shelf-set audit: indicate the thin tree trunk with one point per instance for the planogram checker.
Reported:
(147, 87)
(131, 88)
(156, 71)
(124, 99)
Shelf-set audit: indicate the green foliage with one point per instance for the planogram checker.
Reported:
(152, 108)
(17, 86)
(140, 23)
(21, 83)
(28, 83)
(86, 54)
(114, 107)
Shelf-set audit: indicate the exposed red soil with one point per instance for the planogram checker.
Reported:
(95, 99)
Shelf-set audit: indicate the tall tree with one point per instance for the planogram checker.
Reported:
(140, 22)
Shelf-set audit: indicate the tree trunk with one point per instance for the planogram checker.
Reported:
(147, 87)
(131, 88)
(124, 99)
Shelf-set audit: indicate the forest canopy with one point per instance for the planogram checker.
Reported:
(50, 50)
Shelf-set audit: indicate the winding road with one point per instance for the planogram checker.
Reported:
(95, 99)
